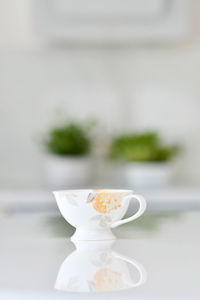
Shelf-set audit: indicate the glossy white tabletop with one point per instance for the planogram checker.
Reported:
(157, 256)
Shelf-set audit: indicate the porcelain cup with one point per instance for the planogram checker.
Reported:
(93, 212)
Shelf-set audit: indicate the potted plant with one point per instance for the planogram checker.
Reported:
(146, 158)
(67, 162)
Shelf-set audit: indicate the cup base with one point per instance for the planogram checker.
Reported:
(93, 235)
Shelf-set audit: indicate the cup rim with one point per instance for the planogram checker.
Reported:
(112, 190)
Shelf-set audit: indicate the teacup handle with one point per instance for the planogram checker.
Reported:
(140, 211)
(139, 267)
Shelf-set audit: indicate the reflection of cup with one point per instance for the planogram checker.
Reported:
(95, 267)
(94, 212)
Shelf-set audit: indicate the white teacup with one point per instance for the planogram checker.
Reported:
(94, 211)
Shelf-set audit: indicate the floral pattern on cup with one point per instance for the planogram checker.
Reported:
(73, 284)
(102, 220)
(104, 201)
(72, 199)
(106, 279)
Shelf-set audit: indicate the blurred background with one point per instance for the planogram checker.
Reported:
(109, 91)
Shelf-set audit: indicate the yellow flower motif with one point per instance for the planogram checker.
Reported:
(104, 201)
(108, 280)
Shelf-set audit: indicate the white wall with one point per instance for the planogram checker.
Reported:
(142, 87)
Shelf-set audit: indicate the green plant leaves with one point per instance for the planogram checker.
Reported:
(70, 139)
(141, 147)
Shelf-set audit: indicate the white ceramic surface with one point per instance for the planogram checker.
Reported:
(94, 212)
(95, 267)
(34, 246)
(148, 175)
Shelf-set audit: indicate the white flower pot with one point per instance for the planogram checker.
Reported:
(67, 171)
(147, 174)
